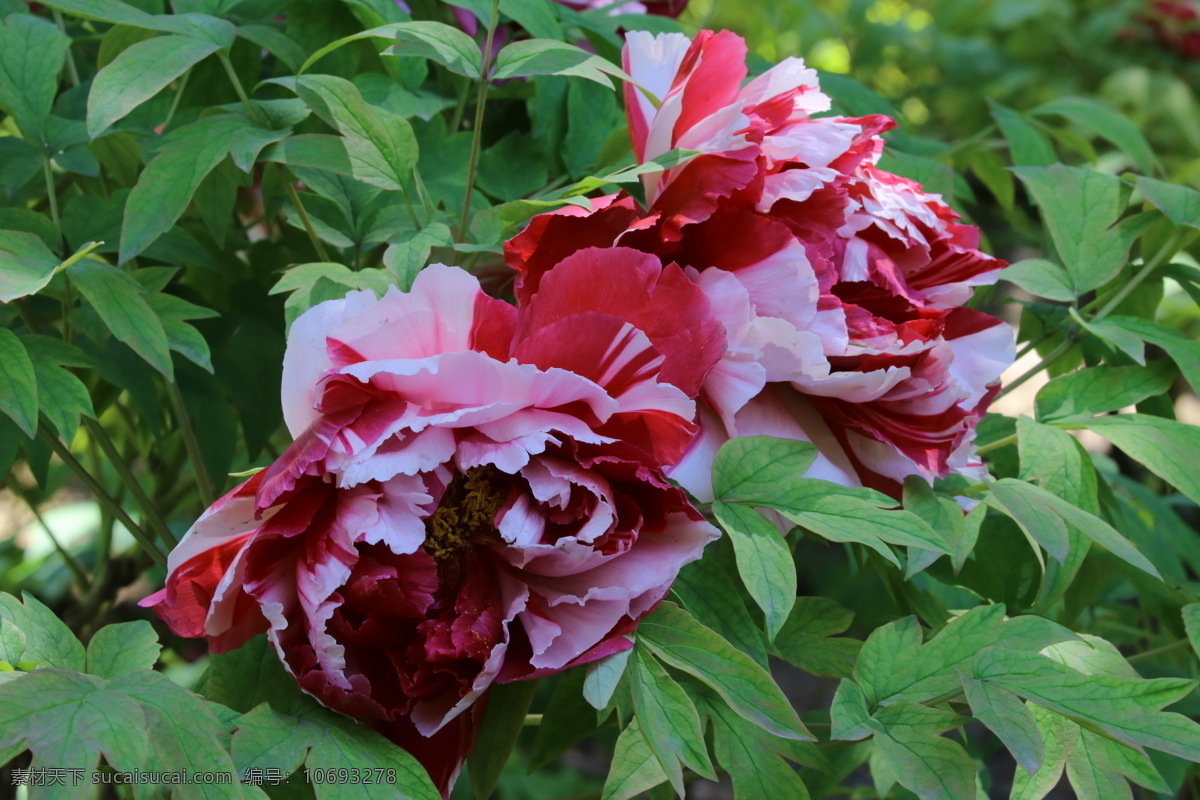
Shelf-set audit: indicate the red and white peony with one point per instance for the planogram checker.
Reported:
(474, 494)
(840, 286)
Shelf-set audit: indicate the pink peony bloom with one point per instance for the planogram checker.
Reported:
(473, 494)
(840, 286)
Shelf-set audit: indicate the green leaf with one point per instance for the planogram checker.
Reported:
(667, 719)
(681, 641)
(18, 383)
(1009, 718)
(139, 73)
(312, 150)
(62, 397)
(941, 513)
(763, 560)
(121, 303)
(1098, 390)
(1028, 145)
(497, 736)
(1183, 350)
(1191, 624)
(443, 44)
(324, 740)
(69, 720)
(122, 648)
(31, 55)
(1059, 464)
(753, 467)
(408, 253)
(1127, 710)
(753, 758)
(200, 26)
(1180, 203)
(707, 590)
(1167, 448)
(603, 677)
(249, 675)
(534, 16)
(567, 719)
(183, 338)
(1041, 278)
(381, 147)
(808, 639)
(48, 641)
(1081, 208)
(551, 57)
(278, 43)
(935, 176)
(26, 265)
(634, 767)
(1045, 518)
(894, 666)
(187, 155)
(932, 767)
(1104, 122)
(849, 718)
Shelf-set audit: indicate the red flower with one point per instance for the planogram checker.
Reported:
(473, 494)
(840, 285)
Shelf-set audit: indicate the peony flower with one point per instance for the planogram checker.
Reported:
(840, 286)
(473, 495)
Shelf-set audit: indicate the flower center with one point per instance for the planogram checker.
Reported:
(467, 512)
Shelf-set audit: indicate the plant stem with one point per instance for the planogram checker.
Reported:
(203, 481)
(478, 132)
(996, 445)
(1055, 354)
(74, 566)
(53, 195)
(251, 111)
(948, 697)
(1181, 644)
(102, 496)
(1165, 252)
(150, 511)
(72, 72)
(175, 101)
(308, 226)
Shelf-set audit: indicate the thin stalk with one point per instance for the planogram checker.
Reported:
(1181, 644)
(77, 570)
(478, 132)
(308, 226)
(175, 100)
(464, 90)
(996, 445)
(52, 194)
(1165, 252)
(104, 498)
(412, 212)
(1055, 354)
(72, 72)
(251, 111)
(203, 481)
(948, 697)
(149, 510)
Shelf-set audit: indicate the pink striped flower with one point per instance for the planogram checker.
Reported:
(840, 286)
(473, 494)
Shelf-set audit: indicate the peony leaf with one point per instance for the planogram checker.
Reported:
(18, 383)
(568, 718)
(497, 735)
(1166, 447)
(932, 767)
(754, 758)
(1041, 278)
(1028, 145)
(443, 44)
(1098, 390)
(849, 718)
(707, 590)
(122, 648)
(1181, 204)
(1081, 208)
(1009, 718)
(755, 467)
(323, 740)
(199, 26)
(26, 265)
(634, 767)
(1191, 624)
(808, 639)
(763, 559)
(138, 73)
(529, 57)
(121, 303)
(682, 642)
(1183, 350)
(48, 641)
(31, 55)
(667, 719)
(603, 677)
(1104, 122)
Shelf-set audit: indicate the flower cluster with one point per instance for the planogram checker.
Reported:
(1176, 24)
(841, 287)
(479, 492)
